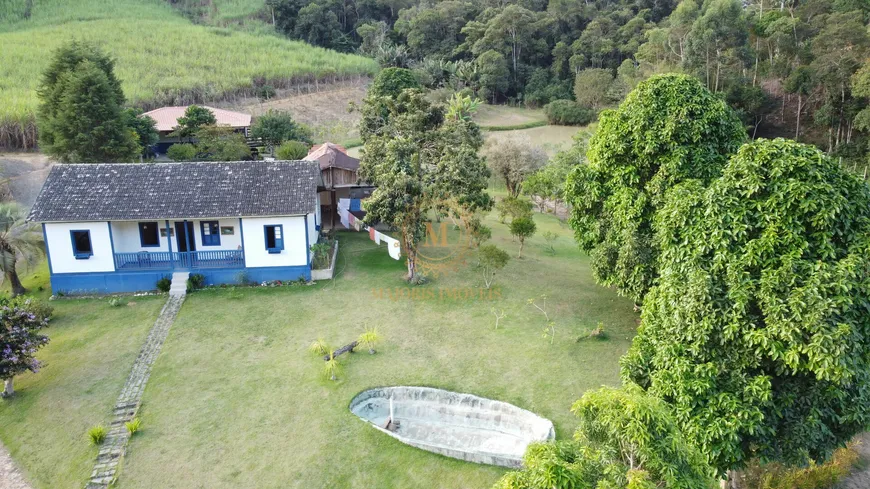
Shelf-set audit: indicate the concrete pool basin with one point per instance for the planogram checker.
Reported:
(462, 426)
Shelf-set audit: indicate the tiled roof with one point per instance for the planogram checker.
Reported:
(137, 191)
(331, 155)
(167, 117)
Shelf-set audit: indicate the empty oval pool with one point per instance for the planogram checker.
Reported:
(457, 425)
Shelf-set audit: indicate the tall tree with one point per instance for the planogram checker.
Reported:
(275, 127)
(419, 162)
(195, 117)
(591, 86)
(317, 24)
(80, 111)
(513, 160)
(757, 331)
(19, 241)
(717, 41)
(670, 129)
(144, 127)
(626, 439)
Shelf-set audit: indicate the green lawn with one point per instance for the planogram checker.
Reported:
(91, 352)
(236, 400)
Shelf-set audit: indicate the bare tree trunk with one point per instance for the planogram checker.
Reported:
(412, 258)
(522, 242)
(15, 282)
(8, 390)
(797, 131)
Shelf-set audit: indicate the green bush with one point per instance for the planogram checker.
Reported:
(133, 426)
(391, 81)
(322, 251)
(568, 113)
(778, 476)
(97, 434)
(195, 281)
(181, 152)
(40, 309)
(292, 150)
(164, 284)
(114, 302)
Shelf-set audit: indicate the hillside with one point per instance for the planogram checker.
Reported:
(162, 57)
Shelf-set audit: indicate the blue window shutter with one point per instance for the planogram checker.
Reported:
(273, 235)
(210, 232)
(279, 236)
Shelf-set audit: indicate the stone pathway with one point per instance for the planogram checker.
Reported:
(113, 448)
(10, 476)
(860, 477)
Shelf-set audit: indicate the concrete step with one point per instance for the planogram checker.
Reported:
(179, 283)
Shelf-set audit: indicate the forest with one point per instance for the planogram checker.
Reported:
(791, 68)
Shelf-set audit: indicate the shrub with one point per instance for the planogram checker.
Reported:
(568, 113)
(181, 152)
(114, 302)
(319, 347)
(292, 150)
(369, 338)
(322, 250)
(597, 333)
(133, 426)
(492, 259)
(332, 368)
(391, 81)
(513, 207)
(164, 284)
(550, 237)
(778, 476)
(38, 308)
(195, 281)
(523, 227)
(97, 434)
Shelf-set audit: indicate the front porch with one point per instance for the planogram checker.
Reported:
(179, 260)
(182, 245)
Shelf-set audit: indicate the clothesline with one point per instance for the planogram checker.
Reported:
(349, 221)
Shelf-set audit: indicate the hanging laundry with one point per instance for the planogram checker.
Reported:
(357, 223)
(372, 233)
(393, 246)
(378, 237)
(342, 214)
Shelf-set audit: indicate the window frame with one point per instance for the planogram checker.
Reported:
(214, 229)
(142, 236)
(277, 234)
(78, 254)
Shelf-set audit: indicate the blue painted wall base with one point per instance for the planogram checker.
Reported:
(139, 281)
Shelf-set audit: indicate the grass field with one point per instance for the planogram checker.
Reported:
(91, 351)
(236, 400)
(161, 57)
(504, 115)
(551, 138)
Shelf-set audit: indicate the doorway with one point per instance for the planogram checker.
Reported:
(184, 236)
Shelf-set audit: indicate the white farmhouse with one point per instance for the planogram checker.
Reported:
(121, 227)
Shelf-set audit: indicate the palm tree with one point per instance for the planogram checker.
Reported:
(19, 240)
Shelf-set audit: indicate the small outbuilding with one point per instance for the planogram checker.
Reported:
(340, 175)
(167, 121)
(119, 227)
